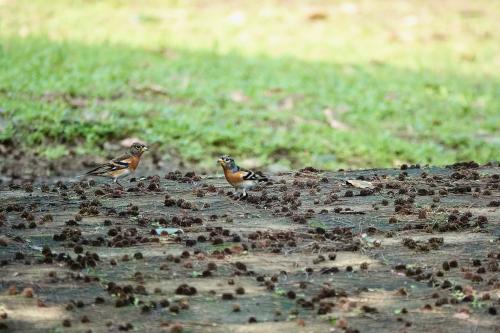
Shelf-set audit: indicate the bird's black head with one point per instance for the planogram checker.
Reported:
(226, 162)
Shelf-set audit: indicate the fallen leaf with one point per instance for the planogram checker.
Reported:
(317, 16)
(359, 183)
(273, 91)
(287, 103)
(238, 97)
(151, 88)
(334, 123)
(76, 102)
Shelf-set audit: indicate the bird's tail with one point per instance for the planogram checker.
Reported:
(261, 177)
(95, 172)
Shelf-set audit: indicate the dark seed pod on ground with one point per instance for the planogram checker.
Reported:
(446, 284)
(227, 296)
(177, 328)
(369, 309)
(446, 266)
(241, 266)
(184, 289)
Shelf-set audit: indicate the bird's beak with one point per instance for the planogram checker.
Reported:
(220, 161)
(145, 148)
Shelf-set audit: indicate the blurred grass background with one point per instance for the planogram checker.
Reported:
(286, 83)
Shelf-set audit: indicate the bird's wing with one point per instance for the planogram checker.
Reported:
(123, 160)
(118, 163)
(250, 175)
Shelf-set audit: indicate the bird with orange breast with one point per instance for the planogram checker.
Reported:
(122, 166)
(241, 179)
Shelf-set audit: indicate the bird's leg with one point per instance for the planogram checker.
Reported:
(236, 194)
(242, 195)
(117, 182)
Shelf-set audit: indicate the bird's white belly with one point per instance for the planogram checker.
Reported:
(247, 184)
(122, 173)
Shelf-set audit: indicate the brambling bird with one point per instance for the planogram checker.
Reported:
(121, 166)
(239, 178)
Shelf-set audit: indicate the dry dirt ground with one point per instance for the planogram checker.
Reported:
(307, 252)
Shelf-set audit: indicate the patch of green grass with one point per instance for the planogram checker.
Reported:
(220, 247)
(280, 292)
(458, 295)
(370, 85)
(317, 224)
(54, 152)
(332, 321)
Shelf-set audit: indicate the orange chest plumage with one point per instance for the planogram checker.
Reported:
(234, 178)
(133, 162)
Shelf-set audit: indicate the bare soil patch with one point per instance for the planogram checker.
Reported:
(307, 252)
